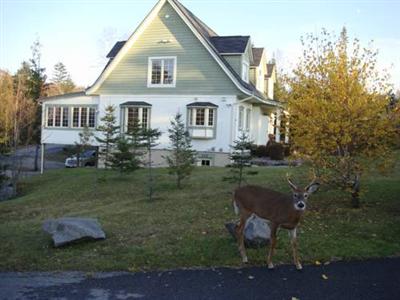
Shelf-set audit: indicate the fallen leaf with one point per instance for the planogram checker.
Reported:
(317, 262)
(324, 276)
(251, 277)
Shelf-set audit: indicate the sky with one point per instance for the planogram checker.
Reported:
(81, 33)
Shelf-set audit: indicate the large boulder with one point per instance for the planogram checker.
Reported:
(6, 191)
(257, 232)
(67, 230)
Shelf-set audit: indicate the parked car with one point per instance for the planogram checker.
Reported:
(86, 159)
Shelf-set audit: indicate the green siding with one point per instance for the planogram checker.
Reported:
(197, 71)
(236, 62)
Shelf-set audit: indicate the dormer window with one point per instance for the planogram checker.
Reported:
(202, 120)
(162, 72)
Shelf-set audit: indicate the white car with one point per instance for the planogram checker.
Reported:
(86, 159)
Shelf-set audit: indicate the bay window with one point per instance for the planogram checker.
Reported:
(135, 112)
(202, 119)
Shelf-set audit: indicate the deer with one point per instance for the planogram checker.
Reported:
(281, 210)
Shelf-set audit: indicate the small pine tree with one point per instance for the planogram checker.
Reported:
(85, 138)
(151, 137)
(241, 158)
(109, 137)
(182, 157)
(135, 138)
(123, 159)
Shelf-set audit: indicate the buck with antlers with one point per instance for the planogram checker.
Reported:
(279, 209)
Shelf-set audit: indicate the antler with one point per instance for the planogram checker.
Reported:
(314, 180)
(292, 185)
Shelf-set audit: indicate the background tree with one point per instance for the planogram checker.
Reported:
(37, 81)
(84, 143)
(151, 137)
(240, 159)
(15, 115)
(338, 106)
(109, 135)
(182, 157)
(62, 79)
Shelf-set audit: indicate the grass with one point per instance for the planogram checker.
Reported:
(185, 228)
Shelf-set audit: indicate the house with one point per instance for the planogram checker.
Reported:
(173, 62)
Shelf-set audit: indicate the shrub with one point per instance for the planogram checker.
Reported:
(276, 151)
(258, 151)
(286, 150)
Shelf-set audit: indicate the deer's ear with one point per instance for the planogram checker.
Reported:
(312, 188)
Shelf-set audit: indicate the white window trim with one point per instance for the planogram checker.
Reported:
(150, 69)
(80, 116)
(248, 119)
(241, 117)
(63, 107)
(245, 71)
(192, 122)
(140, 115)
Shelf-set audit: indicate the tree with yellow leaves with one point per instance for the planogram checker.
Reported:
(338, 103)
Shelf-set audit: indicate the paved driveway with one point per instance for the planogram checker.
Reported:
(371, 279)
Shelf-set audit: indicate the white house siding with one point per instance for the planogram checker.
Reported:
(65, 136)
(163, 110)
(165, 107)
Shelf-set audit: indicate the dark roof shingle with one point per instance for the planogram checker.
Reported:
(230, 44)
(202, 104)
(257, 55)
(135, 103)
(115, 49)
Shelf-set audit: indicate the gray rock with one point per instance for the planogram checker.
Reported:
(257, 232)
(6, 191)
(68, 230)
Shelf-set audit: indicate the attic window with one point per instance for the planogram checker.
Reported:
(162, 72)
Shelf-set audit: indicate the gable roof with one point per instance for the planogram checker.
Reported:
(257, 55)
(204, 33)
(230, 44)
(270, 70)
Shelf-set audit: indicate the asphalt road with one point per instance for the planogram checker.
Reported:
(371, 279)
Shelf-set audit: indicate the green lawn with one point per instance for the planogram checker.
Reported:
(184, 228)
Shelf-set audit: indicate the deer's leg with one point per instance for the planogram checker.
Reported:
(274, 229)
(293, 242)
(240, 238)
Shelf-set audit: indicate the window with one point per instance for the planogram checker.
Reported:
(206, 162)
(57, 116)
(200, 116)
(162, 72)
(248, 119)
(245, 71)
(204, 117)
(84, 116)
(241, 117)
(134, 114)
